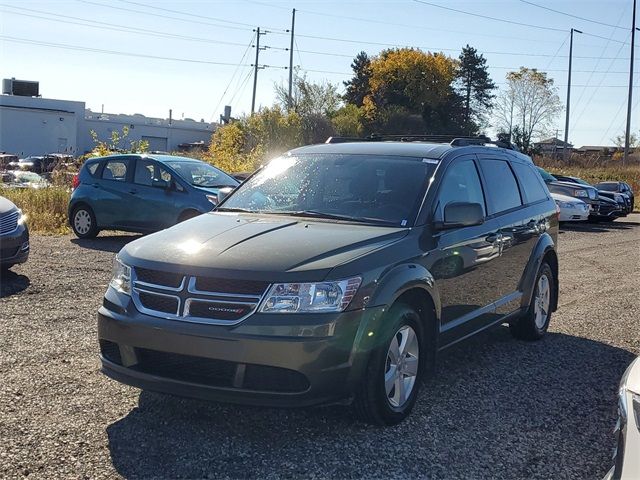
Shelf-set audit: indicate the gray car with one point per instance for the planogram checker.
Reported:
(336, 273)
(14, 235)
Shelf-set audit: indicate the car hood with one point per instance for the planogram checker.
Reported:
(258, 247)
(565, 198)
(6, 205)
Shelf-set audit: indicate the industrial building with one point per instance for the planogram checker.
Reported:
(32, 125)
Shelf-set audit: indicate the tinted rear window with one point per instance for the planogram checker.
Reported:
(532, 185)
(502, 187)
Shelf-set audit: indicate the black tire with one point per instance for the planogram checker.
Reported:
(529, 326)
(83, 222)
(187, 215)
(371, 403)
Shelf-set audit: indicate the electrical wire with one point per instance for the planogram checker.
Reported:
(573, 16)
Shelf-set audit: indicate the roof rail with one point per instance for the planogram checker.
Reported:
(453, 140)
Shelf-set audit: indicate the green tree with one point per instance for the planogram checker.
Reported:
(476, 87)
(117, 142)
(529, 103)
(358, 87)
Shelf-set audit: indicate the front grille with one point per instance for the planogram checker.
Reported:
(8, 223)
(159, 303)
(110, 351)
(218, 373)
(206, 371)
(218, 310)
(156, 277)
(227, 286)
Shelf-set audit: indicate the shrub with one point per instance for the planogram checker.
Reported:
(46, 208)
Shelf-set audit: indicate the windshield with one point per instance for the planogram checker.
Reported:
(361, 188)
(607, 186)
(29, 177)
(546, 176)
(200, 174)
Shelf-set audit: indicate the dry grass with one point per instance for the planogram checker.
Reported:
(46, 208)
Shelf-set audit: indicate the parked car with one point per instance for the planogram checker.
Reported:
(619, 187)
(23, 179)
(608, 210)
(14, 235)
(143, 193)
(586, 193)
(627, 430)
(571, 209)
(333, 274)
(623, 200)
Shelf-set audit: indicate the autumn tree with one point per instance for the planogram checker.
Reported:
(530, 104)
(358, 87)
(475, 86)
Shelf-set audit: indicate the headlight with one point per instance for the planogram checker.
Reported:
(625, 396)
(618, 198)
(580, 193)
(311, 297)
(121, 278)
(22, 218)
(566, 204)
(213, 199)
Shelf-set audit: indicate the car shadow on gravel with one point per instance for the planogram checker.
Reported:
(12, 283)
(110, 243)
(590, 227)
(496, 408)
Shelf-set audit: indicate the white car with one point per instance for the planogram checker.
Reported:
(571, 209)
(627, 460)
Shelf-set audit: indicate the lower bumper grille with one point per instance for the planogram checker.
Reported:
(210, 372)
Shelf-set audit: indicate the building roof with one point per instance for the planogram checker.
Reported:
(556, 142)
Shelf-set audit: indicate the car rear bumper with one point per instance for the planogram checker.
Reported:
(319, 365)
(14, 246)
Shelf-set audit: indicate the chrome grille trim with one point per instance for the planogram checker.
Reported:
(187, 293)
(9, 223)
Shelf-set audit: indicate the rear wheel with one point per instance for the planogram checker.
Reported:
(83, 222)
(535, 322)
(390, 386)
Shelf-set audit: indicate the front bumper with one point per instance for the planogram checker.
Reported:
(14, 246)
(574, 214)
(273, 360)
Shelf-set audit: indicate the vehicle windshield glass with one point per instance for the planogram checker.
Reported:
(28, 177)
(200, 174)
(384, 190)
(546, 176)
(607, 186)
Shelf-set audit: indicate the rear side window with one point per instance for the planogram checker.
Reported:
(92, 168)
(461, 183)
(503, 193)
(115, 170)
(532, 186)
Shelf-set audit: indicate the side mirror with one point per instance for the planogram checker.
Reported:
(461, 214)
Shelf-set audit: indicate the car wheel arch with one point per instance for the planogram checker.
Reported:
(545, 250)
(78, 204)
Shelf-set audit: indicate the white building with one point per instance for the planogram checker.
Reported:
(35, 126)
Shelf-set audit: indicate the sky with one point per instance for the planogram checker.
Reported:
(194, 57)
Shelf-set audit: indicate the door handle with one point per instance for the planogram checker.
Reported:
(133, 192)
(95, 185)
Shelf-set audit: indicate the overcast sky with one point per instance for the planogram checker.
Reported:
(193, 56)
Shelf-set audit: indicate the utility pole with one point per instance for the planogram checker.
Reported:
(627, 132)
(293, 27)
(565, 149)
(256, 67)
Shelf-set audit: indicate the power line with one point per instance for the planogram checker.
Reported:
(573, 16)
(487, 17)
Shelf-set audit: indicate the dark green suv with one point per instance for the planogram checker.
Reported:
(336, 273)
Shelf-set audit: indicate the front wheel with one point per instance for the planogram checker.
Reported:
(83, 222)
(390, 386)
(535, 322)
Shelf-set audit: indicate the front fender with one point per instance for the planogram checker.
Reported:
(527, 281)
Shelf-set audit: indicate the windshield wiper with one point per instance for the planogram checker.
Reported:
(229, 209)
(334, 216)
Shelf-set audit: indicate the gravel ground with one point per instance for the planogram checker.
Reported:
(497, 408)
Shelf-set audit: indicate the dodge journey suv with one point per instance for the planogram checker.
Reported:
(335, 274)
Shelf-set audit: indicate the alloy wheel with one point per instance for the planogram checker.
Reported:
(401, 368)
(542, 301)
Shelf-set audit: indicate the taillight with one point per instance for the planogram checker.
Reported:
(76, 181)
